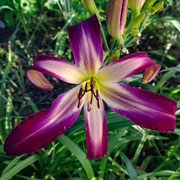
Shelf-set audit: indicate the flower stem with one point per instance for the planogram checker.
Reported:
(139, 148)
(104, 36)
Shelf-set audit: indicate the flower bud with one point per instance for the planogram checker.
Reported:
(149, 3)
(90, 6)
(150, 73)
(116, 13)
(136, 5)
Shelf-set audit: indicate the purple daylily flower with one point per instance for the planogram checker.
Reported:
(144, 108)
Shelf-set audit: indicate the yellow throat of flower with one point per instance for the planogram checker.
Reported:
(91, 88)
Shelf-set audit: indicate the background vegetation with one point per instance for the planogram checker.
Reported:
(29, 28)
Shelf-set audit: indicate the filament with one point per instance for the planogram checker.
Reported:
(82, 92)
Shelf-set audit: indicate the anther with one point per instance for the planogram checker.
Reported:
(80, 93)
(85, 90)
(97, 98)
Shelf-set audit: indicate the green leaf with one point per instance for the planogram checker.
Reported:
(66, 141)
(11, 164)
(27, 178)
(75, 179)
(6, 7)
(21, 165)
(111, 145)
(129, 166)
(176, 23)
(164, 173)
(31, 103)
(171, 72)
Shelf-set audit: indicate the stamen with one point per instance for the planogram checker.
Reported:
(88, 107)
(79, 96)
(97, 98)
(98, 104)
(91, 98)
(80, 93)
(97, 94)
(79, 103)
(91, 82)
(85, 90)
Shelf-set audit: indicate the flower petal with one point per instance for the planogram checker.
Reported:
(86, 44)
(41, 128)
(59, 68)
(150, 73)
(96, 130)
(144, 108)
(38, 79)
(125, 67)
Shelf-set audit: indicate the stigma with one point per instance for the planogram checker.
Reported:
(90, 86)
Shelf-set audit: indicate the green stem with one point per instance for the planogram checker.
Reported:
(133, 16)
(129, 40)
(139, 148)
(103, 36)
(120, 41)
(143, 24)
(67, 9)
(117, 165)
(61, 33)
(3, 88)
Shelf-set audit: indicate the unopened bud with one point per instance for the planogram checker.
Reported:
(149, 3)
(90, 6)
(136, 5)
(116, 14)
(150, 73)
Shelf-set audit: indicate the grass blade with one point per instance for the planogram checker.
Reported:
(66, 141)
(11, 164)
(111, 146)
(21, 165)
(129, 166)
